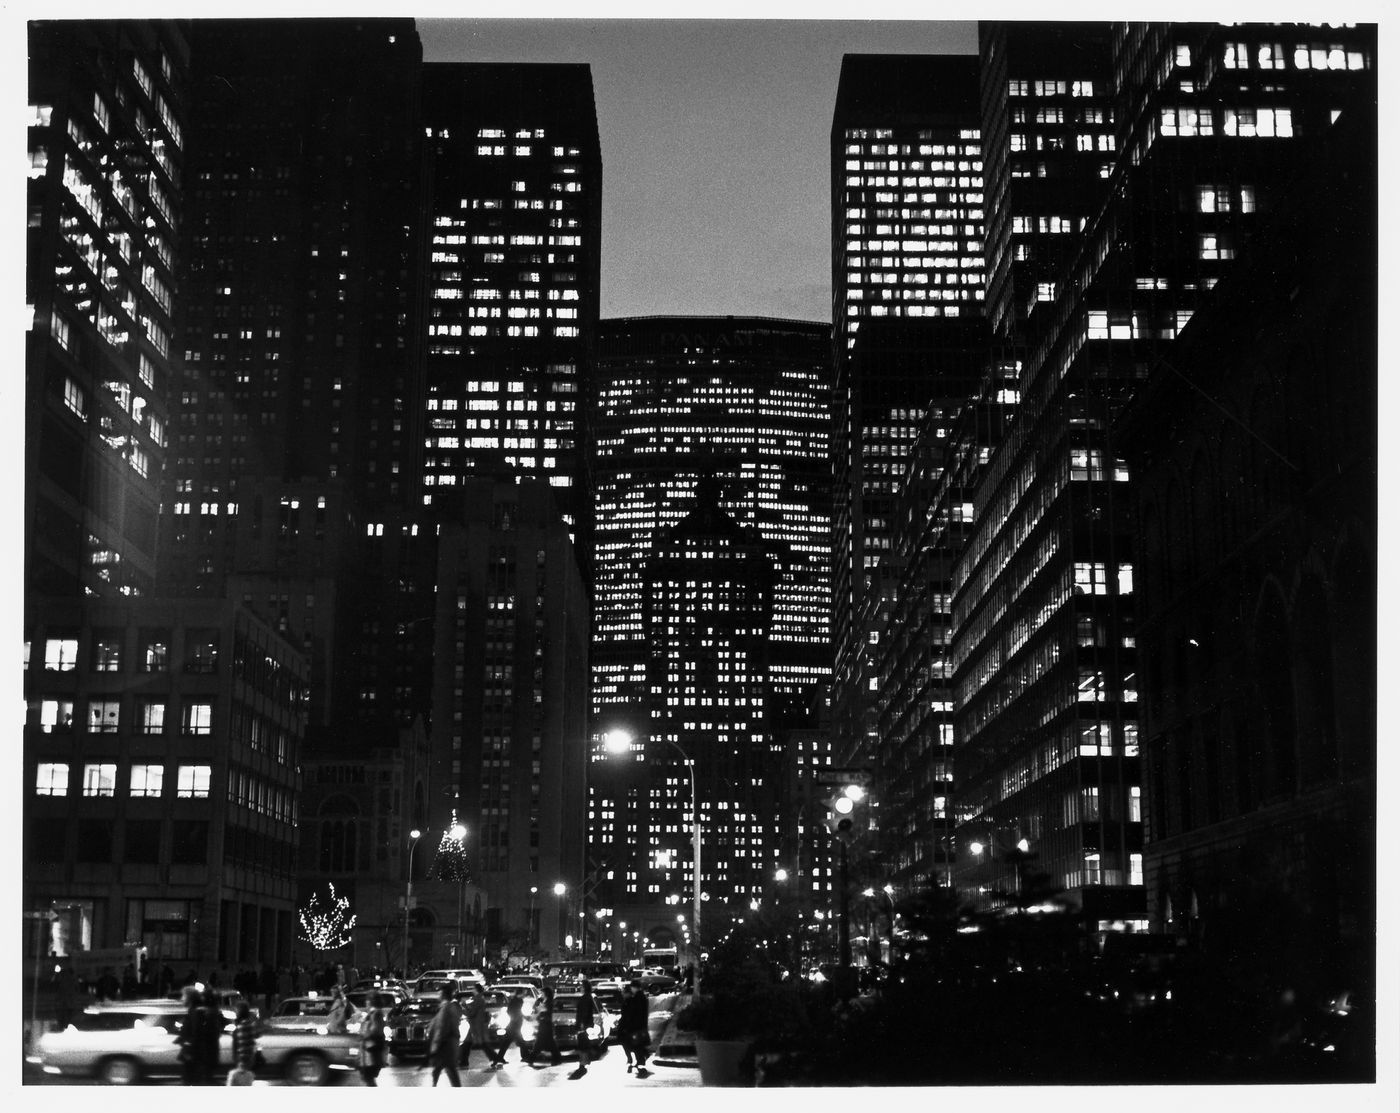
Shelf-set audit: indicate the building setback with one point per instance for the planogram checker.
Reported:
(906, 243)
(512, 300)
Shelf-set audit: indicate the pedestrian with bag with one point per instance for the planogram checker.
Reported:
(373, 1046)
(584, 1015)
(632, 1027)
(245, 1046)
(444, 1037)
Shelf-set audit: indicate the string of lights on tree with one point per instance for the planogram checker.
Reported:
(450, 863)
(327, 928)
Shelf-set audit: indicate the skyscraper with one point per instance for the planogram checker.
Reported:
(512, 303)
(298, 407)
(907, 217)
(1209, 121)
(741, 404)
(106, 153)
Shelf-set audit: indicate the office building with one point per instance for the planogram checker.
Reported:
(508, 743)
(107, 137)
(160, 781)
(744, 402)
(297, 412)
(907, 219)
(512, 298)
(1257, 604)
(1209, 121)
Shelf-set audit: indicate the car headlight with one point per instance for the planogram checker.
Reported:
(527, 1031)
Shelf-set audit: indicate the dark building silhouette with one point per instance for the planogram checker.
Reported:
(297, 420)
(1210, 124)
(1254, 449)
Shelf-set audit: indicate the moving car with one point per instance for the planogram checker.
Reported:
(656, 980)
(306, 1014)
(127, 1042)
(406, 1029)
(571, 972)
(565, 1029)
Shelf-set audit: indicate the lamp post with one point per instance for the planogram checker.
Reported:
(618, 742)
(534, 934)
(888, 890)
(559, 890)
(413, 837)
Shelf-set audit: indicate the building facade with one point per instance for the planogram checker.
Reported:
(512, 303)
(161, 778)
(1257, 608)
(907, 221)
(107, 132)
(508, 740)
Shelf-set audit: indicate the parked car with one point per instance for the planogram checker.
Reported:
(131, 1041)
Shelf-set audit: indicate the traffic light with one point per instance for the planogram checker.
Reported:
(843, 811)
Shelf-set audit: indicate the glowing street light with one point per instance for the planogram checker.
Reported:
(413, 837)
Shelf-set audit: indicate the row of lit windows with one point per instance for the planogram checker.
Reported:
(100, 779)
(103, 716)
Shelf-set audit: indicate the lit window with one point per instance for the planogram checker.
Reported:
(192, 781)
(198, 718)
(151, 717)
(147, 780)
(103, 716)
(61, 654)
(100, 779)
(51, 780)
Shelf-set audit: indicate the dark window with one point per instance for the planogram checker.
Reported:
(48, 840)
(202, 651)
(189, 841)
(94, 840)
(143, 840)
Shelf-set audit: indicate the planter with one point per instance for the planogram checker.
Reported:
(721, 1062)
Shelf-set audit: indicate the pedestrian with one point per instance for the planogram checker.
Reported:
(245, 1046)
(584, 1015)
(478, 1014)
(209, 1031)
(338, 1019)
(190, 1038)
(285, 988)
(632, 1027)
(67, 993)
(515, 1023)
(444, 1035)
(544, 1029)
(372, 1044)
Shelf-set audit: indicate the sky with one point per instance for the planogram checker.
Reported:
(716, 147)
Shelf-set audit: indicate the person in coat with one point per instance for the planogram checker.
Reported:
(584, 1016)
(544, 1029)
(632, 1027)
(245, 1046)
(210, 1029)
(479, 1031)
(445, 1036)
(373, 1046)
(515, 1023)
(338, 1019)
(191, 1039)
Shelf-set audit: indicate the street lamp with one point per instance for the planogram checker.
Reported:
(559, 890)
(619, 741)
(413, 837)
(534, 934)
(888, 890)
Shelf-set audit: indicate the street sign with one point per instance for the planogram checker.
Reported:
(826, 775)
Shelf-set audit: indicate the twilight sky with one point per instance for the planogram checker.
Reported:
(715, 134)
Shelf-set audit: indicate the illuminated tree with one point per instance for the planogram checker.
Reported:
(326, 928)
(451, 863)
